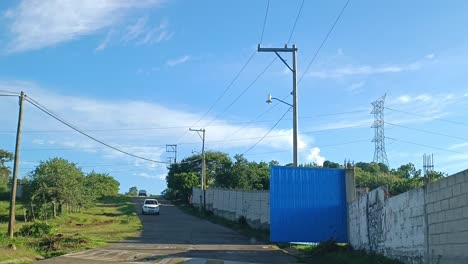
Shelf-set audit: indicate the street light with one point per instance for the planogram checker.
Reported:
(269, 101)
(293, 69)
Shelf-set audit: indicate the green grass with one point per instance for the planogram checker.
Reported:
(111, 220)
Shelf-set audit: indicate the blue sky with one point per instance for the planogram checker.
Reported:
(138, 74)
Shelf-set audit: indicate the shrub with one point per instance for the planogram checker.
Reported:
(242, 220)
(36, 229)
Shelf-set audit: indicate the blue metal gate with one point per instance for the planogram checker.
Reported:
(307, 204)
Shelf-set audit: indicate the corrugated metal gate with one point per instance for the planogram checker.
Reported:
(307, 204)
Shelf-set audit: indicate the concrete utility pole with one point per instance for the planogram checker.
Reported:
(294, 92)
(11, 223)
(203, 176)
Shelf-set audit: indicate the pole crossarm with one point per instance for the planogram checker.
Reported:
(276, 51)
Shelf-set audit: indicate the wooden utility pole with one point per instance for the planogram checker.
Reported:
(11, 223)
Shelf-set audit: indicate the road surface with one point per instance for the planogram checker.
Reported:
(176, 237)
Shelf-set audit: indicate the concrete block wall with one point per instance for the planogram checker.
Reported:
(393, 227)
(426, 225)
(232, 204)
(447, 217)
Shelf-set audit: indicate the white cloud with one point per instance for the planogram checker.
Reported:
(406, 99)
(314, 156)
(367, 122)
(93, 114)
(106, 41)
(139, 33)
(429, 56)
(178, 61)
(38, 141)
(151, 176)
(458, 146)
(356, 87)
(36, 24)
(352, 70)
(426, 107)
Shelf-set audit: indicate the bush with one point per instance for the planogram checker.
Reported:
(4, 193)
(242, 220)
(330, 246)
(36, 229)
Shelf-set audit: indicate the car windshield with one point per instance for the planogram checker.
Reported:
(151, 202)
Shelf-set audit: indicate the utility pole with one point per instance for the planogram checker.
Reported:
(203, 175)
(11, 223)
(172, 148)
(293, 50)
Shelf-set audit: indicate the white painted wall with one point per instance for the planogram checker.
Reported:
(232, 204)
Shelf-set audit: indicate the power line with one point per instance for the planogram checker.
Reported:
(295, 21)
(193, 143)
(243, 92)
(289, 39)
(427, 131)
(323, 146)
(9, 95)
(9, 92)
(222, 94)
(324, 40)
(253, 121)
(428, 117)
(264, 21)
(271, 129)
(45, 110)
(427, 146)
(235, 78)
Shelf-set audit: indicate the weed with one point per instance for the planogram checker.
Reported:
(36, 229)
(332, 252)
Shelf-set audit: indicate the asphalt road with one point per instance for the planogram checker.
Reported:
(177, 237)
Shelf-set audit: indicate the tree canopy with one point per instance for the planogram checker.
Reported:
(57, 186)
(222, 172)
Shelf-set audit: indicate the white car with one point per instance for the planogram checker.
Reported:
(150, 206)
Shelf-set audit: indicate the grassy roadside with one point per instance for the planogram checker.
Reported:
(111, 220)
(323, 253)
(330, 252)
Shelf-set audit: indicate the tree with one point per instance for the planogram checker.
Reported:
(133, 191)
(100, 185)
(331, 164)
(5, 171)
(57, 182)
(407, 171)
(183, 183)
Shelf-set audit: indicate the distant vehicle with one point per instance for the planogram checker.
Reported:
(142, 193)
(150, 206)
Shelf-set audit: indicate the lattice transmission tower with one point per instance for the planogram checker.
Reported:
(380, 156)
